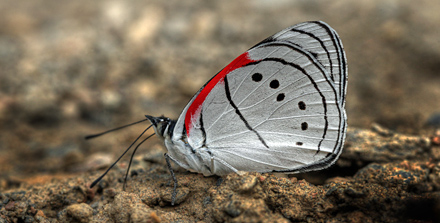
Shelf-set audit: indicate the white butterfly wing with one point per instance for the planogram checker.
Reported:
(287, 121)
(277, 107)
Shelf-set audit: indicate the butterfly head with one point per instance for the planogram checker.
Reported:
(162, 125)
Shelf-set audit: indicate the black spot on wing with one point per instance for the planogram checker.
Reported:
(257, 77)
(280, 97)
(274, 84)
(304, 126)
(302, 105)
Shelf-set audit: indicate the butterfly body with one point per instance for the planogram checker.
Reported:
(279, 107)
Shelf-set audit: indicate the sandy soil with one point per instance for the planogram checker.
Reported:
(72, 68)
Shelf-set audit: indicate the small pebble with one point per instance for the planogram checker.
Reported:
(232, 209)
(182, 194)
(80, 212)
(247, 183)
(10, 206)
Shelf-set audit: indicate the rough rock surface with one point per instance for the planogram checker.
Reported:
(385, 190)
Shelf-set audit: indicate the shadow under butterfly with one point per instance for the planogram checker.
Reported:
(278, 107)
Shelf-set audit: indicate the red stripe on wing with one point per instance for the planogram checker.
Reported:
(195, 108)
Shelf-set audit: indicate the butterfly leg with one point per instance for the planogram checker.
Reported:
(173, 196)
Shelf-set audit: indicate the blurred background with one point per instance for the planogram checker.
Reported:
(72, 68)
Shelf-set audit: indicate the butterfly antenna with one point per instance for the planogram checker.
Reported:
(99, 178)
(131, 159)
(112, 130)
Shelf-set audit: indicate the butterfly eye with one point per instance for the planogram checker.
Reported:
(257, 77)
(274, 84)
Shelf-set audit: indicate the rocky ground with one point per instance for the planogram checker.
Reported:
(71, 68)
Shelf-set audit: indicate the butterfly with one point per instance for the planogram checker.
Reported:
(278, 107)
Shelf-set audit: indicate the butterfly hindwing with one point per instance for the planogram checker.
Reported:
(277, 107)
(276, 119)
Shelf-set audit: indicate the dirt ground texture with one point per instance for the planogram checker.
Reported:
(72, 68)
